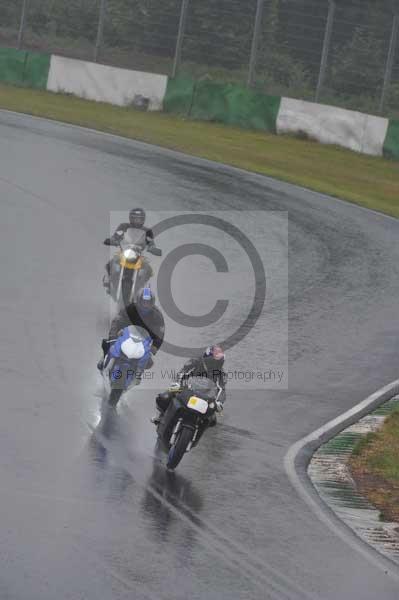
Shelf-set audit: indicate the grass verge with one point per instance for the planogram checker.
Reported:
(368, 181)
(375, 468)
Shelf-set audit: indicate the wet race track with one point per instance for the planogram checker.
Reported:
(87, 510)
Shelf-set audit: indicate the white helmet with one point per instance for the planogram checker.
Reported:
(133, 349)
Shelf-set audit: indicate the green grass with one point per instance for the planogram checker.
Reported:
(375, 466)
(382, 454)
(371, 182)
(364, 443)
(378, 452)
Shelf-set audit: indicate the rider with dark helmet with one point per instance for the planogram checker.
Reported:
(136, 220)
(210, 365)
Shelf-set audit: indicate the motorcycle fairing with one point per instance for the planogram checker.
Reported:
(131, 332)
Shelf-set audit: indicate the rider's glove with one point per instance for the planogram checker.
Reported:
(181, 378)
(174, 387)
(114, 239)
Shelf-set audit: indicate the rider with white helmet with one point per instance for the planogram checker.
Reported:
(133, 344)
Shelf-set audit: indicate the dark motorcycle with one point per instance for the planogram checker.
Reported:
(190, 412)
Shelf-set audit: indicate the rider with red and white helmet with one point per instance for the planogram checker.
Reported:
(209, 365)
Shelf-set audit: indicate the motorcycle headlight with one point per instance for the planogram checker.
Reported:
(130, 255)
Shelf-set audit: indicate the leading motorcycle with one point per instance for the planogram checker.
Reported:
(129, 270)
(189, 414)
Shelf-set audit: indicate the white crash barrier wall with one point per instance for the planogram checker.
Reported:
(332, 125)
(122, 87)
(105, 84)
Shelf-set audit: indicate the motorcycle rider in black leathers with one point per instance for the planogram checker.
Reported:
(136, 220)
(144, 314)
(209, 365)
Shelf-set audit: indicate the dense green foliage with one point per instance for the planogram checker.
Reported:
(219, 35)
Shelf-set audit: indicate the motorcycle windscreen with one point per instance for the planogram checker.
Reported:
(133, 237)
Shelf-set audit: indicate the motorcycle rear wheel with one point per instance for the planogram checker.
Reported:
(114, 397)
(179, 448)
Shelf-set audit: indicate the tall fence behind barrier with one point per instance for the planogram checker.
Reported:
(341, 52)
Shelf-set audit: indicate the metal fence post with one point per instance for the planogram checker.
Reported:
(390, 59)
(255, 43)
(326, 48)
(100, 29)
(180, 37)
(22, 24)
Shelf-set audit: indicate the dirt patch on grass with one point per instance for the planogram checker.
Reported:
(380, 492)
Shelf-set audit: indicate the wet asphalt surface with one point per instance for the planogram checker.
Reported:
(87, 510)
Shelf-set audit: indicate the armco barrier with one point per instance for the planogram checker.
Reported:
(24, 68)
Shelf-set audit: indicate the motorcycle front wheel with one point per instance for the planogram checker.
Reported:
(179, 448)
(124, 300)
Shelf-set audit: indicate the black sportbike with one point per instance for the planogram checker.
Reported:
(190, 412)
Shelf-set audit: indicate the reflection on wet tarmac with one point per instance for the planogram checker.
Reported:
(104, 470)
(163, 490)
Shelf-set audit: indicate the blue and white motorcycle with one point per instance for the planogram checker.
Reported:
(125, 361)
